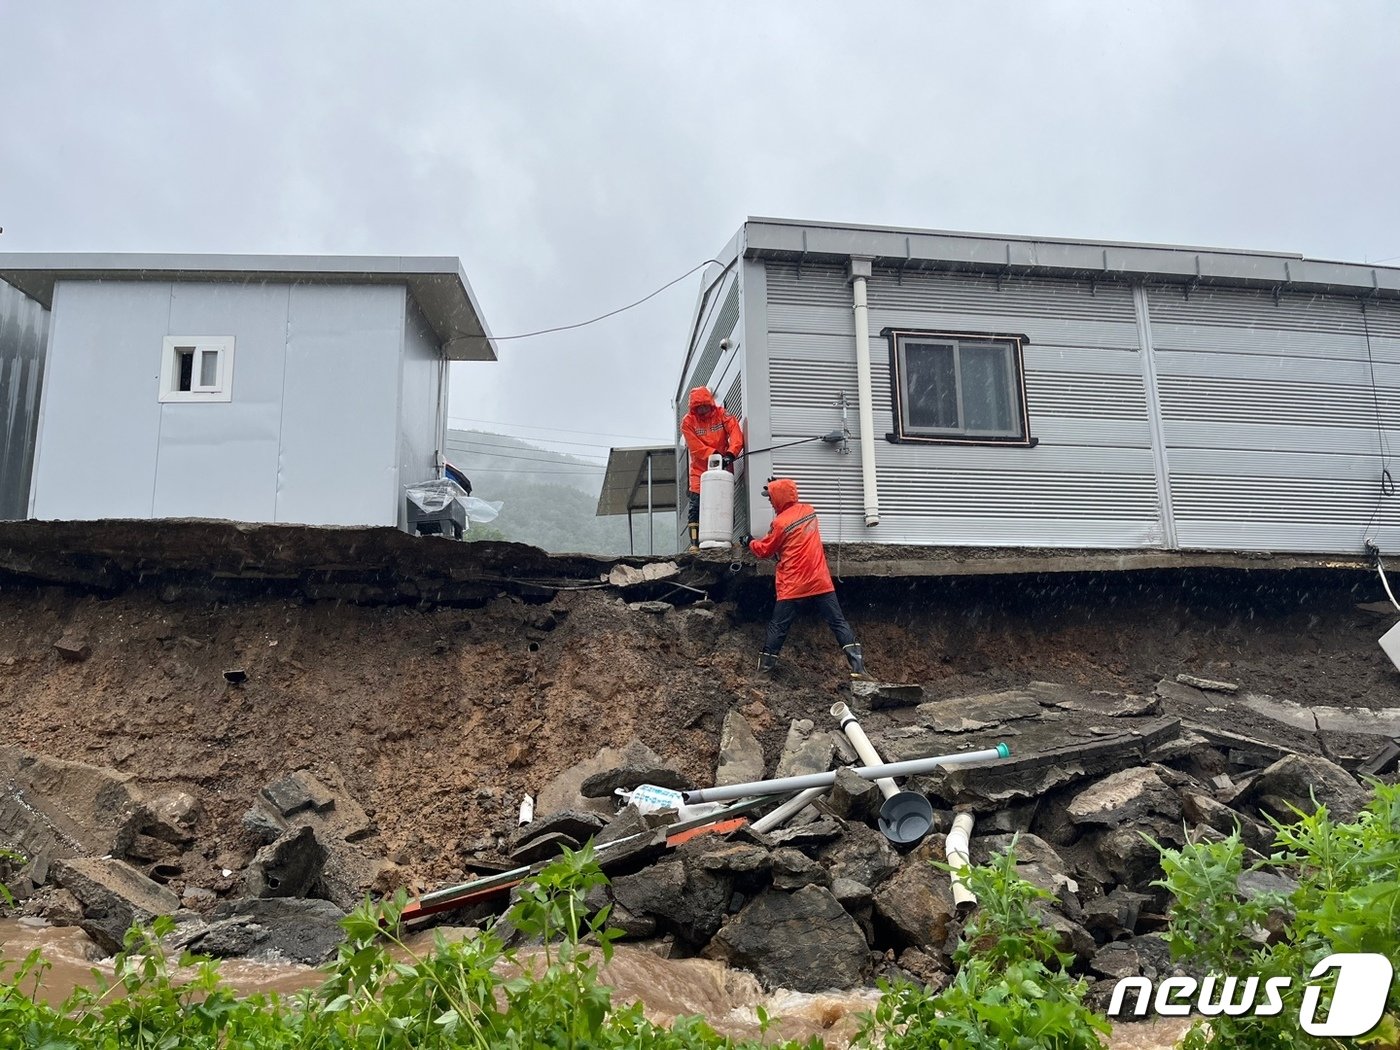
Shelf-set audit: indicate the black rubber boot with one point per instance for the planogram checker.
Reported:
(767, 662)
(856, 659)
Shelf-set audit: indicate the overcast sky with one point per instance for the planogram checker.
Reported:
(576, 155)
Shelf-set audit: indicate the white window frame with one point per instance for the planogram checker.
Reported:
(222, 387)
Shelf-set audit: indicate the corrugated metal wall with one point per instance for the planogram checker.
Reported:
(24, 334)
(1277, 420)
(1091, 481)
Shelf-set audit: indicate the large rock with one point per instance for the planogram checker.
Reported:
(852, 798)
(1123, 798)
(564, 792)
(862, 855)
(682, 897)
(803, 940)
(51, 809)
(915, 906)
(114, 896)
(289, 867)
(275, 928)
(740, 755)
(1200, 808)
(807, 750)
(1296, 780)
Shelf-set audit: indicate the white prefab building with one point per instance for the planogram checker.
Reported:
(259, 389)
(1023, 392)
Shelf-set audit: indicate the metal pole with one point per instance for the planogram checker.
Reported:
(651, 540)
(783, 785)
(630, 548)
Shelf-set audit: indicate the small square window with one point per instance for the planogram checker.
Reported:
(197, 369)
(959, 388)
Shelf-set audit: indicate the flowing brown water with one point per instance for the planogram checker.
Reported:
(669, 988)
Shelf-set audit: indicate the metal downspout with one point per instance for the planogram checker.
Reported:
(860, 271)
(1154, 417)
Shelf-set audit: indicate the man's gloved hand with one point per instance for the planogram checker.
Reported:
(745, 540)
(727, 460)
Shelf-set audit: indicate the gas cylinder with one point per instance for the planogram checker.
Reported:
(716, 505)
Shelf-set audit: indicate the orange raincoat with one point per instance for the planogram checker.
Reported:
(796, 542)
(717, 433)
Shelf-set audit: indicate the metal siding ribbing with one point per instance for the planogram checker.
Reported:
(24, 331)
(1089, 483)
(1273, 426)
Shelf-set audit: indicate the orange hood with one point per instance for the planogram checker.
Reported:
(701, 396)
(782, 493)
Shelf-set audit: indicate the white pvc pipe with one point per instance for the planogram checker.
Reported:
(865, 398)
(955, 847)
(785, 785)
(856, 735)
(788, 809)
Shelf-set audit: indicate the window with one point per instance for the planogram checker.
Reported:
(958, 388)
(197, 368)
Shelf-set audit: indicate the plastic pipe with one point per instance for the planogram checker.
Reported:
(956, 847)
(788, 809)
(860, 270)
(785, 785)
(864, 748)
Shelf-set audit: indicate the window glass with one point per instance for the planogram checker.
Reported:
(986, 388)
(931, 386)
(185, 358)
(208, 368)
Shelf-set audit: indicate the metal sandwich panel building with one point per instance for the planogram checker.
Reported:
(262, 389)
(1177, 398)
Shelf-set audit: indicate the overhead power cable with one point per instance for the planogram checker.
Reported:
(610, 313)
(528, 459)
(551, 430)
(472, 435)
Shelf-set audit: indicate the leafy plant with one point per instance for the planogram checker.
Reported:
(1011, 991)
(1347, 900)
(473, 993)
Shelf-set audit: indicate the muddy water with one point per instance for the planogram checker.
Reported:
(727, 999)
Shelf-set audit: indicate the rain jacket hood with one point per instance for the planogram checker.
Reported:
(782, 493)
(701, 396)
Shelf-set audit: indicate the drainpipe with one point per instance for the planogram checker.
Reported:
(955, 847)
(860, 271)
(864, 748)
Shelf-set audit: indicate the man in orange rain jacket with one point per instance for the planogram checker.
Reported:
(802, 576)
(708, 430)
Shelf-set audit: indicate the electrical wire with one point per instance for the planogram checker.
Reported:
(476, 435)
(610, 313)
(527, 459)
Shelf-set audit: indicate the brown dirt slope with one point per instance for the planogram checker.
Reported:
(439, 718)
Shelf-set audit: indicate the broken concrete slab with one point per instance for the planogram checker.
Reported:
(883, 695)
(1208, 684)
(1098, 702)
(625, 576)
(740, 754)
(114, 896)
(288, 867)
(575, 823)
(543, 847)
(803, 940)
(967, 714)
(51, 809)
(1046, 756)
(1359, 720)
(1284, 711)
(1123, 797)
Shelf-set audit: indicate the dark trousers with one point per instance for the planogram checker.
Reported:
(825, 604)
(692, 507)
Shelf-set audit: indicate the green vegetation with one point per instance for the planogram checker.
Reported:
(1347, 900)
(474, 993)
(1011, 991)
(550, 499)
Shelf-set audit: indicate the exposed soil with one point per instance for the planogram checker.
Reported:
(439, 719)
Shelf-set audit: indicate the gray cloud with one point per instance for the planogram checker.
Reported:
(576, 156)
